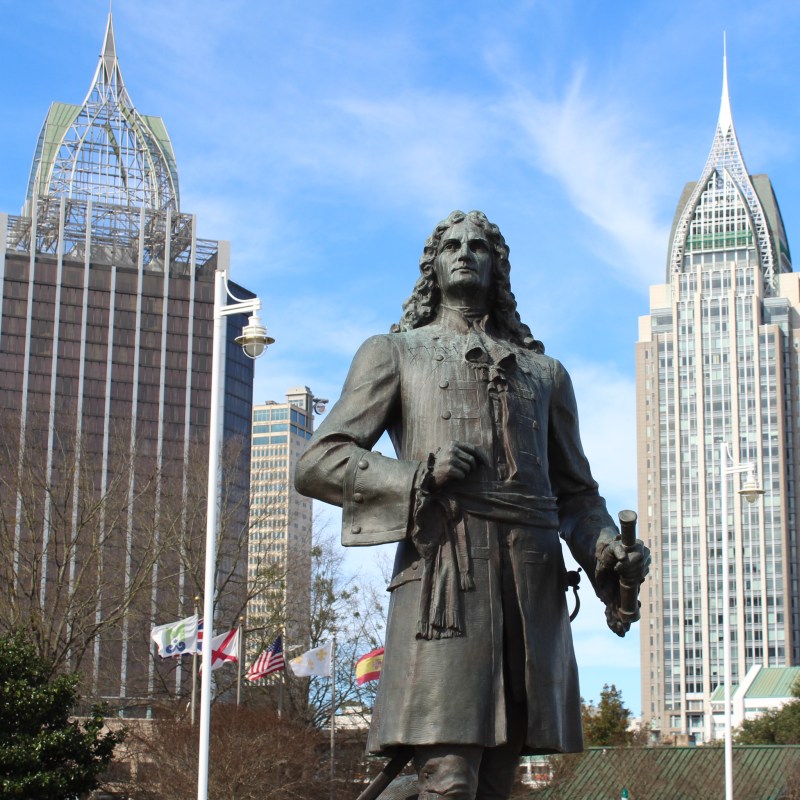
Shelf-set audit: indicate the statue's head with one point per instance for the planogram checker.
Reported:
(423, 304)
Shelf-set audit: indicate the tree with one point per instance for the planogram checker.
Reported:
(606, 724)
(103, 545)
(778, 726)
(342, 604)
(349, 607)
(42, 753)
(86, 538)
(238, 580)
(62, 579)
(253, 755)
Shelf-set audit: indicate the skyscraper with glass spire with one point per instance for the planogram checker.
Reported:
(717, 361)
(105, 350)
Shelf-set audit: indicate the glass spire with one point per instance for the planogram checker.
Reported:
(104, 150)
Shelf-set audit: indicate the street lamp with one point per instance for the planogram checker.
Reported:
(750, 491)
(254, 341)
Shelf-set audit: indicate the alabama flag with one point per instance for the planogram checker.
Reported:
(224, 649)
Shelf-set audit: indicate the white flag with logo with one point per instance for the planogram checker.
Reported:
(176, 638)
(317, 662)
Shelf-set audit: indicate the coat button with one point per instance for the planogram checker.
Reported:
(444, 384)
(439, 357)
(446, 415)
(358, 497)
(363, 464)
(536, 424)
(414, 564)
(355, 529)
(538, 461)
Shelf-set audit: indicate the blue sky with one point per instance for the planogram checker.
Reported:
(325, 139)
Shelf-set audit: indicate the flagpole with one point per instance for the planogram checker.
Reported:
(240, 655)
(281, 684)
(194, 667)
(333, 712)
(213, 500)
(254, 341)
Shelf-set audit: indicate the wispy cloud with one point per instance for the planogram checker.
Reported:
(590, 145)
(417, 149)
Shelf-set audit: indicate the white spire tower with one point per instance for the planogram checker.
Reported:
(716, 362)
(726, 173)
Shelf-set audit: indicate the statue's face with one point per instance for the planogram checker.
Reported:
(464, 264)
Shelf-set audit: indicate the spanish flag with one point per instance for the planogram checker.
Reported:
(368, 667)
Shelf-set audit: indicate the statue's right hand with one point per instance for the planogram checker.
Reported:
(455, 461)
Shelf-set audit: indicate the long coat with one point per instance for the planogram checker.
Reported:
(426, 387)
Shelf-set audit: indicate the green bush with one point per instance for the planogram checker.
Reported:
(43, 754)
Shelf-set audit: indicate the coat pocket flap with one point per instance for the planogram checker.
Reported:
(410, 573)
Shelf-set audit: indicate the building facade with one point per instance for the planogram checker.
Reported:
(106, 318)
(279, 562)
(717, 361)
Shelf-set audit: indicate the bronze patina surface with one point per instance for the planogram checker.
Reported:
(489, 472)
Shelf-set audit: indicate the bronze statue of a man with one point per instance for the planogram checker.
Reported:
(479, 666)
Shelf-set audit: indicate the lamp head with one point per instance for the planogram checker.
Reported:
(751, 490)
(254, 339)
(319, 404)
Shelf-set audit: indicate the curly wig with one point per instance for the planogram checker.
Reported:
(421, 307)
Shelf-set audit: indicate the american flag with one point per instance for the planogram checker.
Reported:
(271, 660)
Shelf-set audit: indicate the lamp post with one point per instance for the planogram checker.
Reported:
(254, 342)
(750, 491)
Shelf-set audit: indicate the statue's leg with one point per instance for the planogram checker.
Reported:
(498, 769)
(447, 771)
(497, 773)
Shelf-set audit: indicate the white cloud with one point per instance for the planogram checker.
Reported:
(593, 147)
(414, 149)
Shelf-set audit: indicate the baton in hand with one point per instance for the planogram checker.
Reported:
(628, 593)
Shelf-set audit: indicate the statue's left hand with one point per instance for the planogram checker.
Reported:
(617, 564)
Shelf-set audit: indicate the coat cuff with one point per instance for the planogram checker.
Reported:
(376, 503)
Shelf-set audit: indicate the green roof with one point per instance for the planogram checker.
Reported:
(673, 773)
(59, 118)
(774, 682)
(158, 129)
(770, 682)
(718, 695)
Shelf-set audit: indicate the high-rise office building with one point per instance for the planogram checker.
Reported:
(279, 561)
(717, 361)
(106, 311)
